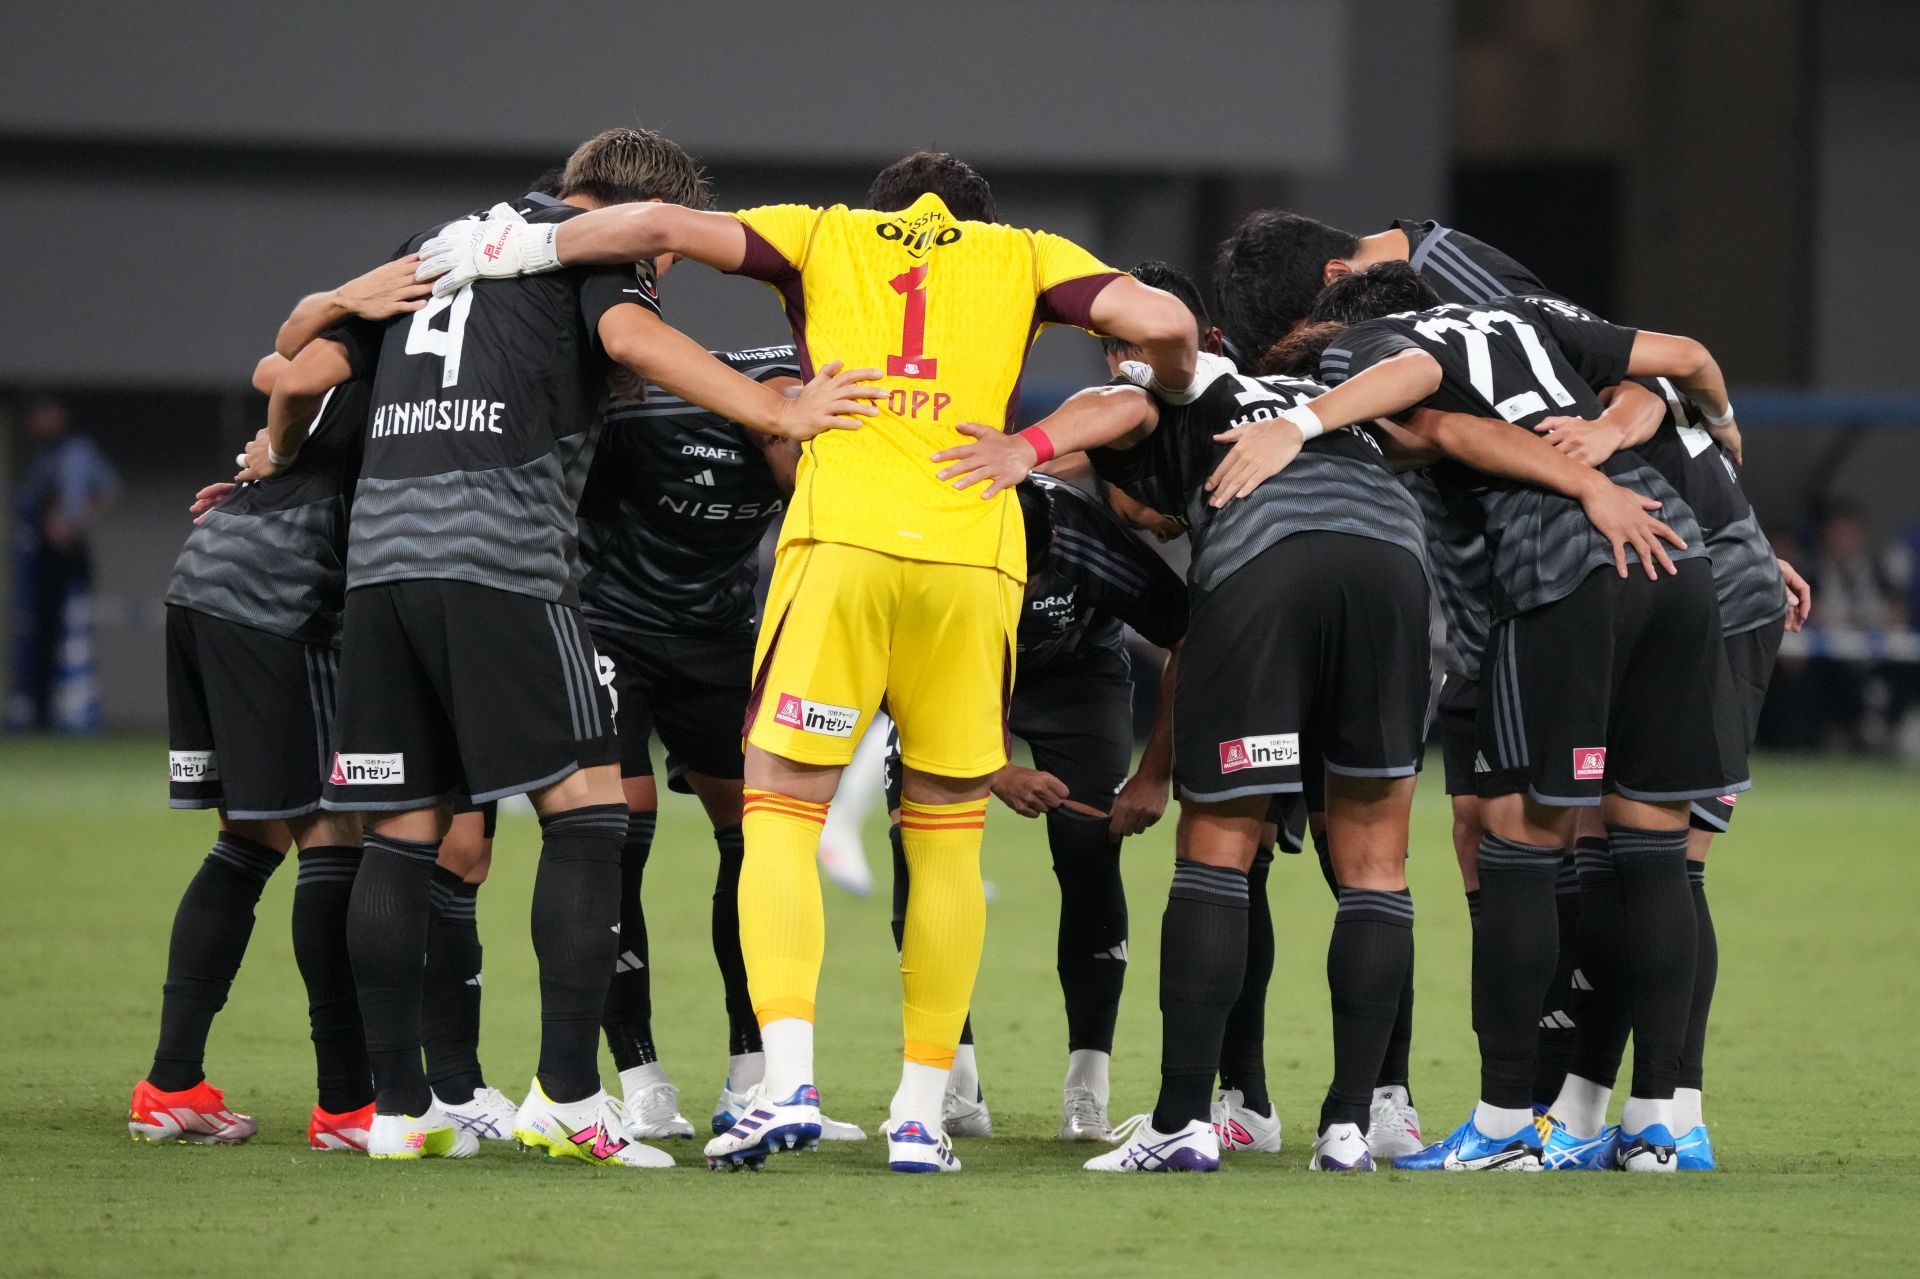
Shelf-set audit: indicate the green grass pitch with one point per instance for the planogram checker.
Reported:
(1811, 1078)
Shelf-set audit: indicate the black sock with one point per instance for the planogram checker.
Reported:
(629, 1018)
(321, 896)
(1556, 1011)
(1090, 951)
(1601, 1018)
(450, 991)
(1473, 908)
(1203, 957)
(211, 927)
(576, 904)
(743, 1028)
(1368, 959)
(1243, 1045)
(1706, 973)
(387, 925)
(902, 884)
(1514, 948)
(1394, 1071)
(1662, 941)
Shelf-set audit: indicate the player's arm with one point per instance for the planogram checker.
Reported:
(1120, 416)
(1142, 799)
(1494, 447)
(386, 291)
(1155, 321)
(1632, 416)
(638, 338)
(782, 456)
(642, 232)
(1261, 450)
(1690, 366)
(297, 396)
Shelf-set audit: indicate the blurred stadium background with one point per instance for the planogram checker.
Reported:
(173, 177)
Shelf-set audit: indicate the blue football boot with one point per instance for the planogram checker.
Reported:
(1696, 1150)
(1652, 1149)
(1470, 1150)
(1564, 1152)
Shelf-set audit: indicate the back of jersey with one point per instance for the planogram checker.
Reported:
(947, 309)
(485, 412)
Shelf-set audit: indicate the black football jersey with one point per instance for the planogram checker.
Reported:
(1462, 269)
(274, 554)
(485, 413)
(1521, 360)
(1339, 483)
(1087, 575)
(674, 510)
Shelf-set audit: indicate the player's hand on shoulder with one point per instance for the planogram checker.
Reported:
(1261, 450)
(835, 400)
(1207, 370)
(1028, 791)
(500, 247)
(1626, 519)
(994, 458)
(388, 290)
(1799, 596)
(1587, 442)
(1140, 803)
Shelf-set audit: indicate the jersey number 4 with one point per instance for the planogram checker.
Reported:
(446, 342)
(913, 360)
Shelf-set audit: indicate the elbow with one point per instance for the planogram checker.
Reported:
(1423, 374)
(1693, 358)
(268, 371)
(1169, 323)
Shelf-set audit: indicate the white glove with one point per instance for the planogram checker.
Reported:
(1207, 370)
(503, 246)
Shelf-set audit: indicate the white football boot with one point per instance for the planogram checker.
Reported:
(1241, 1128)
(1140, 1148)
(488, 1116)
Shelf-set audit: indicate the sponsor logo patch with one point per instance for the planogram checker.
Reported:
(369, 770)
(823, 718)
(1730, 800)
(192, 766)
(1589, 763)
(1274, 750)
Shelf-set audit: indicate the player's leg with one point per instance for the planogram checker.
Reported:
(1078, 722)
(452, 991)
(1244, 1114)
(819, 672)
(244, 736)
(329, 860)
(948, 675)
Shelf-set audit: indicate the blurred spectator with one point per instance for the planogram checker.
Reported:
(1853, 591)
(67, 485)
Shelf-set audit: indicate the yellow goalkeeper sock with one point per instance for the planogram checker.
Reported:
(783, 927)
(946, 924)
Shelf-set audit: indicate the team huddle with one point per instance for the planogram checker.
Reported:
(501, 528)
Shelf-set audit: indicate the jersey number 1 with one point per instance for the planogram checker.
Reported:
(912, 360)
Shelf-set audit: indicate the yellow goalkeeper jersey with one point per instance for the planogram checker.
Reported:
(948, 309)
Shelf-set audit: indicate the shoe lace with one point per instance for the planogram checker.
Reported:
(493, 1099)
(1083, 1106)
(657, 1101)
(1124, 1130)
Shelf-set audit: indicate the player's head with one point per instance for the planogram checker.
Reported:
(549, 183)
(1270, 269)
(622, 166)
(964, 192)
(1169, 279)
(1385, 288)
(1298, 354)
(46, 418)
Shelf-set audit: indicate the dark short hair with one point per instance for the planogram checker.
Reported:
(1385, 288)
(1268, 272)
(1171, 279)
(549, 182)
(621, 166)
(1298, 354)
(964, 192)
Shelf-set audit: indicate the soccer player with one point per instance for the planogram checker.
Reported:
(1333, 545)
(670, 529)
(465, 668)
(1605, 686)
(1087, 576)
(888, 583)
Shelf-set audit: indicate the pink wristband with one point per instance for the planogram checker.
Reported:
(1042, 446)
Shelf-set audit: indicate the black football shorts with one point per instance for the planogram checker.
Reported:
(1316, 648)
(1750, 659)
(453, 690)
(1617, 687)
(249, 718)
(691, 690)
(1454, 719)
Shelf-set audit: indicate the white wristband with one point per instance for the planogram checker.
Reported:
(542, 252)
(1307, 420)
(1711, 420)
(280, 459)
